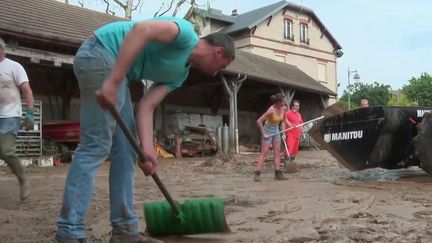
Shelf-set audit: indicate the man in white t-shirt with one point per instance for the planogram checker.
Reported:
(13, 79)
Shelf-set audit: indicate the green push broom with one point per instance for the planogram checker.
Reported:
(197, 216)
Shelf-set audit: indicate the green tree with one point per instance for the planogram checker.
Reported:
(419, 89)
(376, 94)
(401, 100)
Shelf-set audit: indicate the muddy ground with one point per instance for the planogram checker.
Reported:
(321, 203)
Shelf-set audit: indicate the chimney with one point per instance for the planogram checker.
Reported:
(234, 12)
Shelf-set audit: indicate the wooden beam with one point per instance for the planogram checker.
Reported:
(324, 102)
(36, 56)
(288, 93)
(269, 20)
(22, 33)
(261, 91)
(253, 30)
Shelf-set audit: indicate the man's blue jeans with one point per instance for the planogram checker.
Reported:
(99, 135)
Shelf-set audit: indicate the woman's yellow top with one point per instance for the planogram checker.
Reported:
(275, 119)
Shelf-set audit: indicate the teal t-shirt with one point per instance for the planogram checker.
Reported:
(163, 63)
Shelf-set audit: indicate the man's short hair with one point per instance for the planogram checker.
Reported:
(2, 44)
(364, 102)
(294, 101)
(222, 40)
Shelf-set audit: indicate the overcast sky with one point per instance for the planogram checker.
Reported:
(387, 41)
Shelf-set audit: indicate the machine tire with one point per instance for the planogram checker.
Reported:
(422, 143)
(65, 153)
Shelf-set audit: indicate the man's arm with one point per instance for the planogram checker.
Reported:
(146, 109)
(133, 44)
(28, 95)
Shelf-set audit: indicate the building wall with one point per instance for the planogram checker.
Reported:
(316, 59)
(322, 70)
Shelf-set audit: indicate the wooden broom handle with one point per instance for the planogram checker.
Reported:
(141, 156)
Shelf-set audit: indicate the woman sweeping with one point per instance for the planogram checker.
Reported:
(268, 124)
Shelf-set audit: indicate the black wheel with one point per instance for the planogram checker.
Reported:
(422, 143)
(65, 153)
(49, 147)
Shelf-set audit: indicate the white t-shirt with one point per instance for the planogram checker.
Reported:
(12, 75)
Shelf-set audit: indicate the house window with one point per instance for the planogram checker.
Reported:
(288, 30)
(304, 38)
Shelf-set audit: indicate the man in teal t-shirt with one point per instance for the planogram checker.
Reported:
(160, 49)
(160, 62)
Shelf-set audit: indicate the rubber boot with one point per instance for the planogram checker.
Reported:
(8, 154)
(14, 164)
(279, 176)
(24, 189)
(65, 240)
(257, 176)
